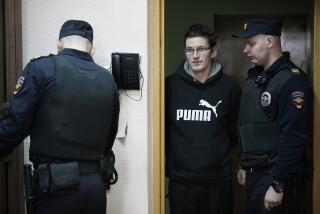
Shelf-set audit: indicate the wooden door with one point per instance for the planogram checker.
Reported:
(11, 183)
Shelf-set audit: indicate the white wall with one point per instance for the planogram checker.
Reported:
(119, 26)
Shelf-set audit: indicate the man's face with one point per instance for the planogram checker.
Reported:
(256, 49)
(199, 54)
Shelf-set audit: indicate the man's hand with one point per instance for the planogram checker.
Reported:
(272, 198)
(241, 175)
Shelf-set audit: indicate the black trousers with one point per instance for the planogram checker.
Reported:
(88, 199)
(209, 198)
(258, 183)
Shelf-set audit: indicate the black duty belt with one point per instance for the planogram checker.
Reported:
(86, 167)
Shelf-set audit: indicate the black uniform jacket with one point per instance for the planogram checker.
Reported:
(33, 90)
(294, 105)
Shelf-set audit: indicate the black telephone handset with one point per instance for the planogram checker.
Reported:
(116, 69)
(125, 70)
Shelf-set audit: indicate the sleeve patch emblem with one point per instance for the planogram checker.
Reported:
(298, 99)
(19, 85)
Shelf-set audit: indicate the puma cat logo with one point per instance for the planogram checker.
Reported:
(208, 105)
(198, 115)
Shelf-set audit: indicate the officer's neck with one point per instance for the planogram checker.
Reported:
(273, 57)
(77, 47)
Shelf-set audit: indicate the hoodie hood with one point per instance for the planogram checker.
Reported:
(185, 72)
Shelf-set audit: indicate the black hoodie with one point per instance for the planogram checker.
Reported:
(201, 126)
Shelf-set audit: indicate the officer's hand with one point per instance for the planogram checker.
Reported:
(272, 198)
(241, 175)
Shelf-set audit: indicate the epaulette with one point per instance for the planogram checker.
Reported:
(291, 68)
(295, 70)
(41, 57)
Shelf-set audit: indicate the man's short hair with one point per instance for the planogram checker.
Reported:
(200, 30)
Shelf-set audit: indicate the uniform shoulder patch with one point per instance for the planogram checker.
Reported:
(19, 85)
(41, 57)
(298, 99)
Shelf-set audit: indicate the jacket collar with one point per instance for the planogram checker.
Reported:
(183, 71)
(76, 53)
(282, 60)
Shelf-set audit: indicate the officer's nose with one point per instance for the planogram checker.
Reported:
(245, 50)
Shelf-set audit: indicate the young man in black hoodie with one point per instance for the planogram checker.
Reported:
(201, 112)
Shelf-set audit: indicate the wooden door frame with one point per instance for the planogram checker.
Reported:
(157, 105)
(156, 110)
(13, 65)
(316, 111)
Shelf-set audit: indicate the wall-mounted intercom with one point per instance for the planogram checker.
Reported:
(126, 71)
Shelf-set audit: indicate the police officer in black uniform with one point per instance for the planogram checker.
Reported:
(274, 121)
(69, 106)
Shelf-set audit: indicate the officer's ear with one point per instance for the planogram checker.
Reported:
(270, 41)
(59, 45)
(93, 50)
